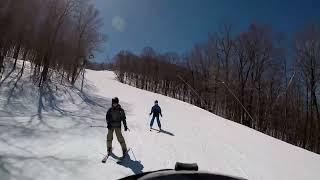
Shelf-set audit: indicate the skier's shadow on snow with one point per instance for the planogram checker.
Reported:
(163, 131)
(166, 132)
(127, 162)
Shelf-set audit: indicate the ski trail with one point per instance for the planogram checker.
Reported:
(68, 140)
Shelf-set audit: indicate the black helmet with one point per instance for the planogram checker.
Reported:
(156, 101)
(115, 100)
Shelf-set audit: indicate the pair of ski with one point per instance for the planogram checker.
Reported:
(105, 158)
(152, 129)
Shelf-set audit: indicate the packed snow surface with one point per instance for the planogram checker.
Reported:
(57, 132)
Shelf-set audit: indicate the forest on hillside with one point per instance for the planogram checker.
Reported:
(257, 77)
(53, 35)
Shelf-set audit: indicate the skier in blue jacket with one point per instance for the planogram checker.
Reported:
(156, 111)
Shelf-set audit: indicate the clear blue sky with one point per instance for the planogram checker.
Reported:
(176, 25)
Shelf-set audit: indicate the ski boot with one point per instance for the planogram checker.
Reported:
(124, 153)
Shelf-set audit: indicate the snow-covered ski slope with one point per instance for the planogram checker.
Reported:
(61, 135)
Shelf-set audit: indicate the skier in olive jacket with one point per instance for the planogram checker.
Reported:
(114, 117)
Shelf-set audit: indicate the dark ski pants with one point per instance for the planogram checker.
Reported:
(158, 121)
(119, 137)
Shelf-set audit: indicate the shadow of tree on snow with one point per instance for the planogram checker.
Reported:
(30, 112)
(14, 166)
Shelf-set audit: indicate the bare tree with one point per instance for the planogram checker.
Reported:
(308, 59)
(52, 34)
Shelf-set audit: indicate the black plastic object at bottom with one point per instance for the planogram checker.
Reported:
(182, 171)
(180, 175)
(184, 166)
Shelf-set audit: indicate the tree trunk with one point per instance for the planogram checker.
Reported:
(62, 77)
(83, 71)
(44, 74)
(16, 55)
(24, 59)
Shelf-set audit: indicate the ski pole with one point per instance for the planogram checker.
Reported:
(133, 155)
(93, 126)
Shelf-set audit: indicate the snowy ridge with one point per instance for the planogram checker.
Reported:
(66, 138)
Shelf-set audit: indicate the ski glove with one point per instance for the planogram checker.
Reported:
(125, 128)
(108, 125)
